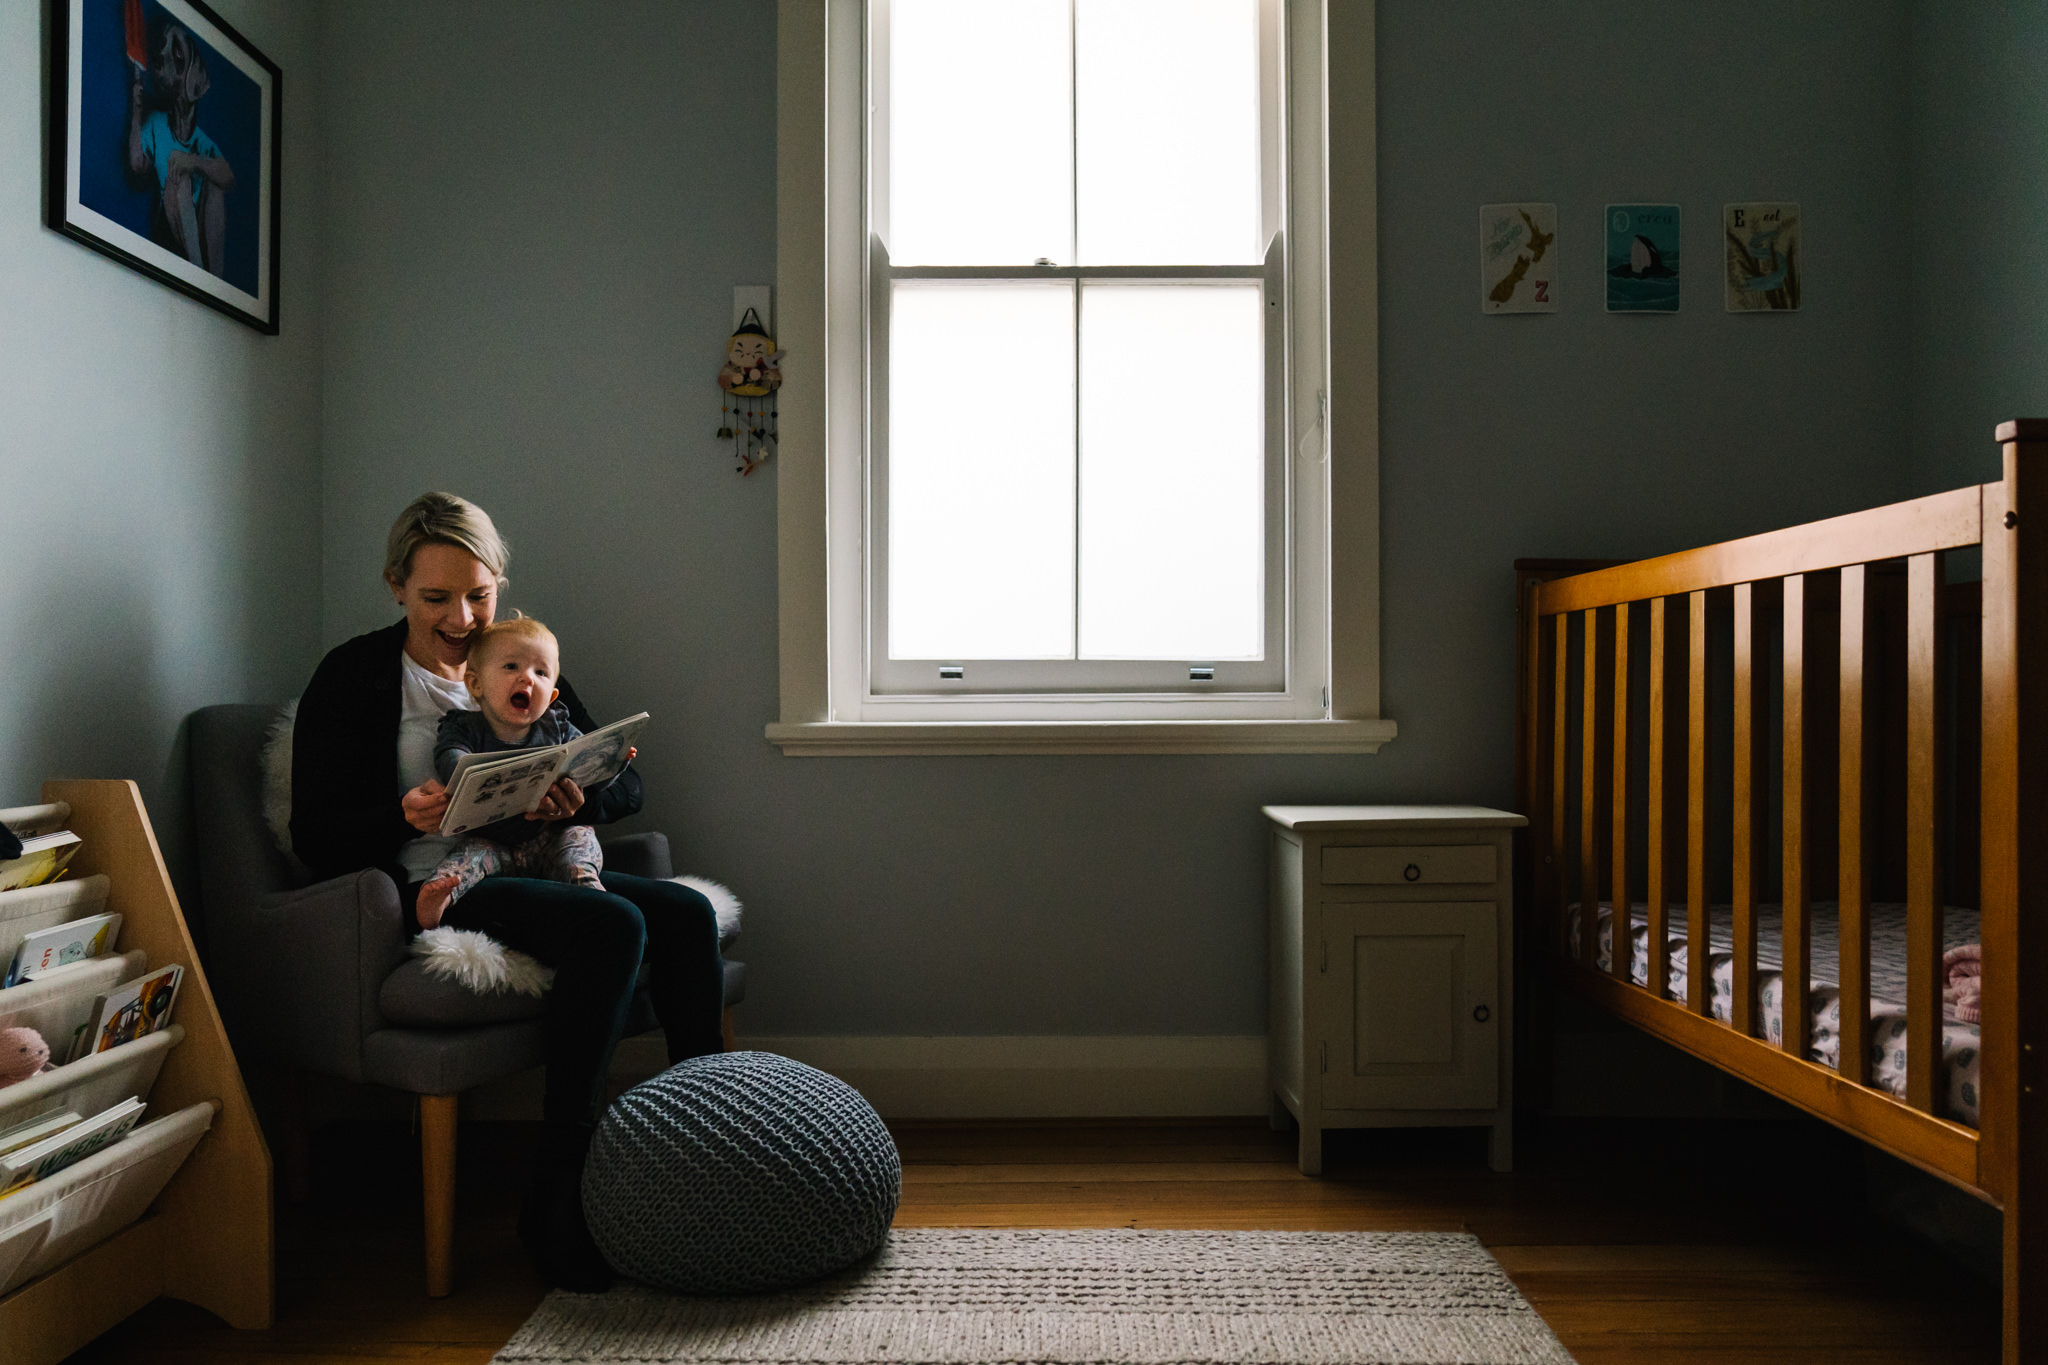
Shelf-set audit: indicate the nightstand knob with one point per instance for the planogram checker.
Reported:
(1412, 873)
(1481, 1013)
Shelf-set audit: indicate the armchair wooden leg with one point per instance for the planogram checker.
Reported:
(437, 1166)
(725, 1022)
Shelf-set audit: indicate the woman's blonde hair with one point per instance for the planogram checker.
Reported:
(444, 519)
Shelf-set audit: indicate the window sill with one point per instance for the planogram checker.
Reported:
(849, 739)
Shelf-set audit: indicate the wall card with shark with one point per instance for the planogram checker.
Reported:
(1518, 258)
(1643, 258)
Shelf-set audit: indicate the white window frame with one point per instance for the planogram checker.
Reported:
(828, 707)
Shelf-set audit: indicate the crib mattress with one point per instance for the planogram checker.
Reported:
(1959, 1041)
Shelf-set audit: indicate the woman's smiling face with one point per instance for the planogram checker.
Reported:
(448, 597)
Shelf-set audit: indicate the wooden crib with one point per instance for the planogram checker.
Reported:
(1882, 735)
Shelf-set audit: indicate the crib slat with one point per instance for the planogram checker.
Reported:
(1542, 871)
(1923, 846)
(1853, 853)
(1751, 723)
(1618, 878)
(1797, 932)
(1560, 708)
(1589, 795)
(1661, 832)
(1698, 981)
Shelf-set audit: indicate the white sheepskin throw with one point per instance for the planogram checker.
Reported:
(480, 963)
(723, 901)
(277, 776)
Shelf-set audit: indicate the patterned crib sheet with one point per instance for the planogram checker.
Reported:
(1959, 1041)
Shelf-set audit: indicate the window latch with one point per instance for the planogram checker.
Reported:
(1201, 673)
(953, 671)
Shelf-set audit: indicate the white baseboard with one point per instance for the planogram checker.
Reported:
(1020, 1077)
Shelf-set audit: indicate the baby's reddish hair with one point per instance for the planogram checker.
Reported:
(513, 628)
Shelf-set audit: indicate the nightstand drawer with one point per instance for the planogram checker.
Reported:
(1458, 863)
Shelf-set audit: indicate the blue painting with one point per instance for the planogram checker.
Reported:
(1642, 258)
(167, 141)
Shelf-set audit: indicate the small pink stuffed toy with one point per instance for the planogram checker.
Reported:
(23, 1054)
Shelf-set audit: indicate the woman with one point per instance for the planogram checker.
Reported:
(364, 795)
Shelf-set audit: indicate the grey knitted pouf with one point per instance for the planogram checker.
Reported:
(739, 1172)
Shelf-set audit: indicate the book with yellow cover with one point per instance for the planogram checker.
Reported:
(43, 858)
(131, 1011)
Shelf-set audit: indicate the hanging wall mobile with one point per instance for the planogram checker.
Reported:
(750, 377)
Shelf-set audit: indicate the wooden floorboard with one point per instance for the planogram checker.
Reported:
(1605, 1227)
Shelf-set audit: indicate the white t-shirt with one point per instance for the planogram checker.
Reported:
(424, 698)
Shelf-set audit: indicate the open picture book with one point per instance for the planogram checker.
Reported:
(486, 788)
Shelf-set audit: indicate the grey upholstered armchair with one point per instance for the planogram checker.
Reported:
(318, 977)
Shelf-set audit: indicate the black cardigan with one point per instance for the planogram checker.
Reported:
(345, 811)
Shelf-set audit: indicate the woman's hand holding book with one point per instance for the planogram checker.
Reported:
(424, 806)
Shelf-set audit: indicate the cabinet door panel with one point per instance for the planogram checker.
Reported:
(1408, 1008)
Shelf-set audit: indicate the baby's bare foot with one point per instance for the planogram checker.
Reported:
(434, 898)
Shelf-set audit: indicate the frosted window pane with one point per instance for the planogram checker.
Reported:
(980, 133)
(1167, 101)
(981, 471)
(1172, 471)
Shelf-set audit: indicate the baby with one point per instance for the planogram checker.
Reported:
(511, 673)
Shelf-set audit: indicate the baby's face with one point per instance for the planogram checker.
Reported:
(516, 682)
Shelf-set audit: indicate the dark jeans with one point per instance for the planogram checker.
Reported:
(595, 941)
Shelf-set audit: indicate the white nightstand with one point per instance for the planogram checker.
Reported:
(1392, 931)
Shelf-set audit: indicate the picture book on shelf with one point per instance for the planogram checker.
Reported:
(131, 1011)
(46, 950)
(40, 1160)
(60, 1005)
(43, 858)
(486, 788)
(35, 1130)
(29, 908)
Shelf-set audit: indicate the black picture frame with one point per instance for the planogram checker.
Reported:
(208, 116)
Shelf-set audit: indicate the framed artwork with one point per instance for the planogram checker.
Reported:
(1642, 258)
(1762, 245)
(165, 148)
(1517, 258)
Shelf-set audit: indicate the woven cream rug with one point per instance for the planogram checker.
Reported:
(966, 1296)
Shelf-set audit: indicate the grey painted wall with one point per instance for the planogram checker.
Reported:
(534, 230)
(1587, 434)
(156, 464)
(1980, 277)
